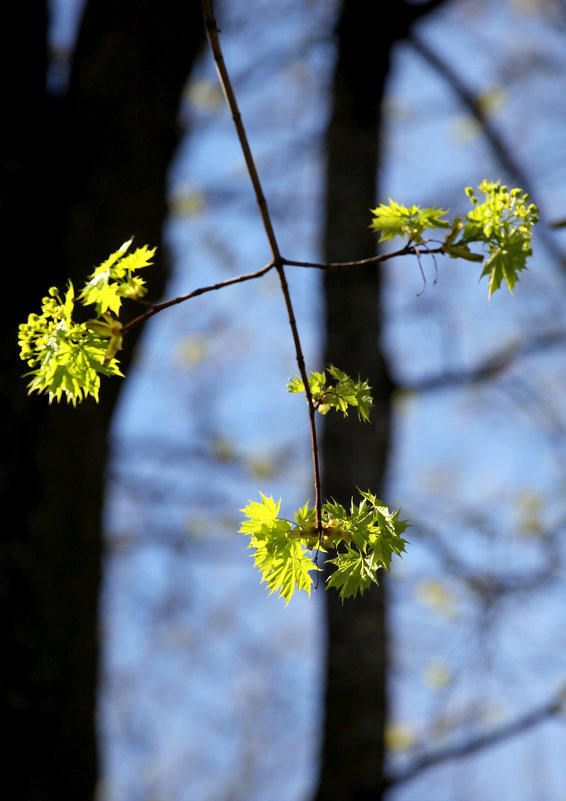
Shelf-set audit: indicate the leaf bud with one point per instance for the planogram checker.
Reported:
(100, 328)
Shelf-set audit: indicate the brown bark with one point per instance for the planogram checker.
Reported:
(79, 175)
(353, 453)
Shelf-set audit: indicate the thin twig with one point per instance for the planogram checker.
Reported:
(311, 406)
(232, 103)
(157, 307)
(277, 261)
(406, 250)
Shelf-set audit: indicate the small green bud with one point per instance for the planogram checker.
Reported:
(100, 328)
(113, 347)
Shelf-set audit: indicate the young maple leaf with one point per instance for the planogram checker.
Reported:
(397, 220)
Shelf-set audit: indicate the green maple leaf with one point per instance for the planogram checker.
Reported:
(348, 392)
(101, 292)
(113, 280)
(305, 515)
(504, 264)
(287, 568)
(263, 516)
(295, 385)
(340, 395)
(72, 371)
(385, 538)
(354, 573)
(141, 257)
(282, 560)
(376, 536)
(397, 220)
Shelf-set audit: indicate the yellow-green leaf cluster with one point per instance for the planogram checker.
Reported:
(282, 560)
(341, 394)
(362, 541)
(114, 279)
(68, 358)
(376, 536)
(502, 223)
(411, 221)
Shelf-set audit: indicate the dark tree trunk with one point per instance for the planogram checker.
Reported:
(80, 174)
(355, 454)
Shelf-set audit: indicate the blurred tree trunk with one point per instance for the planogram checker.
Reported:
(353, 453)
(79, 174)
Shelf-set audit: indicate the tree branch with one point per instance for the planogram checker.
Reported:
(277, 261)
(416, 11)
(407, 250)
(155, 308)
(232, 103)
(494, 365)
(489, 585)
(539, 715)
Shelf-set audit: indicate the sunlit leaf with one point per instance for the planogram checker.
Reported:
(397, 220)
